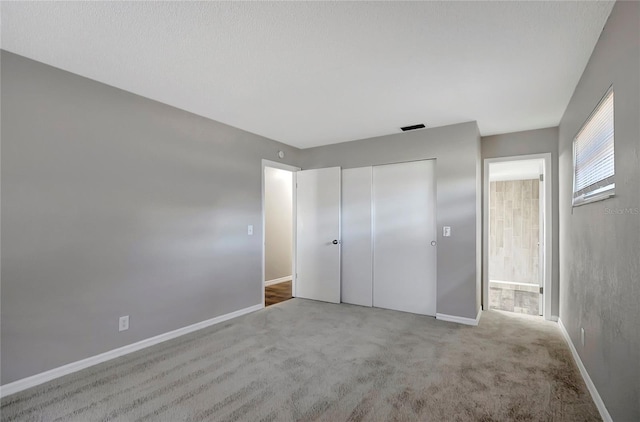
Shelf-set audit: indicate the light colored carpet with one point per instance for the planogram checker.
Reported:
(303, 360)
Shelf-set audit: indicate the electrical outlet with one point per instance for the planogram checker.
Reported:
(582, 336)
(124, 323)
(446, 231)
(250, 230)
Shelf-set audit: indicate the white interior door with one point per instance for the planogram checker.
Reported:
(404, 227)
(318, 234)
(357, 277)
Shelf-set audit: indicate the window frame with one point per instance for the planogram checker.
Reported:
(600, 193)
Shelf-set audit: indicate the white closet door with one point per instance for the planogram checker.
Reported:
(404, 225)
(357, 277)
(318, 234)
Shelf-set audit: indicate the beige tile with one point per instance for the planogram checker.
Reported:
(526, 211)
(499, 198)
(508, 241)
(516, 194)
(508, 191)
(526, 238)
(508, 205)
(495, 297)
(517, 222)
(535, 222)
(513, 236)
(508, 218)
(515, 244)
(526, 189)
(492, 245)
(506, 303)
(499, 210)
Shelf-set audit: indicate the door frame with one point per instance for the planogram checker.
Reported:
(293, 170)
(548, 229)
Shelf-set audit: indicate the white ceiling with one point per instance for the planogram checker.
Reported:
(314, 73)
(516, 170)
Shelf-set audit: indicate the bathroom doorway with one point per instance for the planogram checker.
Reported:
(516, 236)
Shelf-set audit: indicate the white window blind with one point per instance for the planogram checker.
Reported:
(593, 155)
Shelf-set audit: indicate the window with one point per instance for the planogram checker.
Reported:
(593, 155)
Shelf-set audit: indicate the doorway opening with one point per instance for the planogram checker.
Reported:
(279, 232)
(517, 196)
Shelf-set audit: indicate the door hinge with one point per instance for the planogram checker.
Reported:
(541, 290)
(542, 177)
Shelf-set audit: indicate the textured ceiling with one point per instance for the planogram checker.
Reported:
(314, 73)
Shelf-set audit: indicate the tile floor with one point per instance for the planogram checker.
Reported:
(514, 297)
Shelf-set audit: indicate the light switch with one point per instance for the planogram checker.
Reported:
(250, 230)
(446, 231)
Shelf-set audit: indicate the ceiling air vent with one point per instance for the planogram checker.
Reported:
(414, 127)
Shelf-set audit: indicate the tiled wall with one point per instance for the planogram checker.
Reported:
(514, 231)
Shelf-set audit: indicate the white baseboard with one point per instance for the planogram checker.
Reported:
(459, 320)
(604, 413)
(277, 280)
(43, 377)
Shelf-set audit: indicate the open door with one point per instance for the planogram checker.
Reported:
(318, 234)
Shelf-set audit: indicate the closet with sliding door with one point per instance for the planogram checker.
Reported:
(389, 236)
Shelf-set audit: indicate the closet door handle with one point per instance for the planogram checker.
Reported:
(335, 242)
(434, 243)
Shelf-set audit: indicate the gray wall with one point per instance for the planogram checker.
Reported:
(456, 149)
(538, 141)
(599, 248)
(113, 204)
(278, 215)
